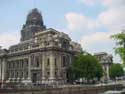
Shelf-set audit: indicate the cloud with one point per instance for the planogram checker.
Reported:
(97, 37)
(114, 16)
(113, 3)
(89, 2)
(8, 39)
(78, 22)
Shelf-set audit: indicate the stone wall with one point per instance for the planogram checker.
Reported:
(68, 90)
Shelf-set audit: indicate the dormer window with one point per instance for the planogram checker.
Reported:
(64, 44)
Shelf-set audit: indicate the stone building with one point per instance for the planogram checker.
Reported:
(106, 60)
(42, 56)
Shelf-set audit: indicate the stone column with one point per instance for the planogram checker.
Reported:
(20, 69)
(3, 63)
(107, 70)
(52, 67)
(3, 68)
(43, 66)
(59, 66)
(29, 68)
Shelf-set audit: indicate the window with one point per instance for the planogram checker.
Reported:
(22, 63)
(37, 61)
(55, 62)
(16, 75)
(64, 61)
(26, 61)
(14, 64)
(26, 75)
(12, 74)
(21, 74)
(17, 64)
(48, 62)
(32, 60)
(55, 73)
(9, 65)
(64, 44)
(48, 73)
(46, 43)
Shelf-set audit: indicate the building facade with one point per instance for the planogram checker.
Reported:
(106, 61)
(42, 56)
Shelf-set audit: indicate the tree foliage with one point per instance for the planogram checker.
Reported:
(86, 66)
(120, 45)
(116, 70)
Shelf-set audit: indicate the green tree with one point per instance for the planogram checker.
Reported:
(86, 66)
(116, 70)
(120, 45)
(99, 71)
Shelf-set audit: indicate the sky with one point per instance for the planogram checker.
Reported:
(88, 22)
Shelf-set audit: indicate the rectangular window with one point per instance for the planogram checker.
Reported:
(55, 62)
(16, 75)
(12, 74)
(21, 74)
(17, 63)
(26, 74)
(9, 66)
(37, 61)
(48, 73)
(55, 73)
(22, 63)
(48, 62)
(64, 61)
(26, 61)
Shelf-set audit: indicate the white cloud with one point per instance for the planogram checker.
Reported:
(114, 16)
(78, 22)
(89, 2)
(113, 3)
(98, 37)
(113, 19)
(8, 39)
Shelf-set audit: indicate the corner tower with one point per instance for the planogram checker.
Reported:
(34, 23)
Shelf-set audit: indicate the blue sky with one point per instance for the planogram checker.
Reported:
(89, 22)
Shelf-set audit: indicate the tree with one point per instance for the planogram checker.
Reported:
(116, 70)
(120, 48)
(86, 66)
(99, 71)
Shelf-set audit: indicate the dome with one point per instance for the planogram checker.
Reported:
(34, 23)
(34, 17)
